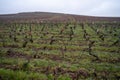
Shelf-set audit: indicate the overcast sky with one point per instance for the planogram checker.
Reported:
(81, 7)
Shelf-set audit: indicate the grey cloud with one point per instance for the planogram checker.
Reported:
(81, 7)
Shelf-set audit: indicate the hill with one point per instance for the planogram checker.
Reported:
(36, 46)
(54, 17)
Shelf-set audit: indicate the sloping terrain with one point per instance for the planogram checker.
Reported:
(50, 46)
(57, 17)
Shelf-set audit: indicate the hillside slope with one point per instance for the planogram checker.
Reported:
(57, 17)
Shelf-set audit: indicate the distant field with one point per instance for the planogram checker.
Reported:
(59, 48)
